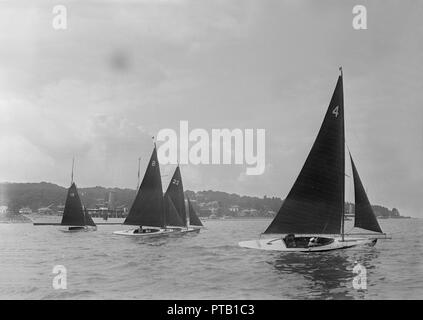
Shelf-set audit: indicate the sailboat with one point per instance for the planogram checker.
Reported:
(75, 215)
(311, 217)
(148, 209)
(175, 196)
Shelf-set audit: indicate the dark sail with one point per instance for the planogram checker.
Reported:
(73, 214)
(175, 191)
(147, 209)
(172, 216)
(193, 218)
(315, 203)
(364, 215)
(88, 220)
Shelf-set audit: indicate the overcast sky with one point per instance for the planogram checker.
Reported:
(125, 69)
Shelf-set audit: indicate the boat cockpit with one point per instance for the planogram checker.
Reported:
(291, 241)
(145, 230)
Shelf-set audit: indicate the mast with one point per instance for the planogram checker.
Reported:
(183, 201)
(163, 211)
(73, 163)
(139, 166)
(343, 150)
(188, 211)
(187, 208)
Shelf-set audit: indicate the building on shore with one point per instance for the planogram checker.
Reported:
(25, 210)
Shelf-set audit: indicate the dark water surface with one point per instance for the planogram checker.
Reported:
(209, 265)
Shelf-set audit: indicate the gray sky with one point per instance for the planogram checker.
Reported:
(124, 70)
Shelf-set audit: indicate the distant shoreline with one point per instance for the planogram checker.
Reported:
(400, 217)
(48, 198)
(39, 218)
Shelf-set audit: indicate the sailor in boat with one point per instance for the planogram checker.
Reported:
(303, 242)
(289, 240)
(142, 230)
(313, 242)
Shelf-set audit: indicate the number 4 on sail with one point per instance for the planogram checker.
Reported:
(311, 217)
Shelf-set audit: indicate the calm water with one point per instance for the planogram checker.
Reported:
(209, 265)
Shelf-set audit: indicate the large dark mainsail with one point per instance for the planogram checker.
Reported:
(364, 215)
(147, 209)
(193, 218)
(73, 214)
(172, 216)
(315, 203)
(175, 191)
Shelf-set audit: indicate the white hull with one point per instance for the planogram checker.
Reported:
(157, 232)
(190, 230)
(277, 244)
(184, 230)
(197, 227)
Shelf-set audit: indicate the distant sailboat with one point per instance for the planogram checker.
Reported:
(175, 193)
(75, 216)
(315, 204)
(148, 209)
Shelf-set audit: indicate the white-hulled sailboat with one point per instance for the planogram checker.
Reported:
(175, 198)
(75, 216)
(148, 209)
(311, 217)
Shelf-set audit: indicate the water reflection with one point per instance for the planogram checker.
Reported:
(325, 275)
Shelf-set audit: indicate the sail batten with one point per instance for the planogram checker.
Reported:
(315, 202)
(147, 208)
(364, 215)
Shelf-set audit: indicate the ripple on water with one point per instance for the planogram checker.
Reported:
(209, 265)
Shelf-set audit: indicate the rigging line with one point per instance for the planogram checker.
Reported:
(350, 180)
(396, 232)
(348, 147)
(139, 165)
